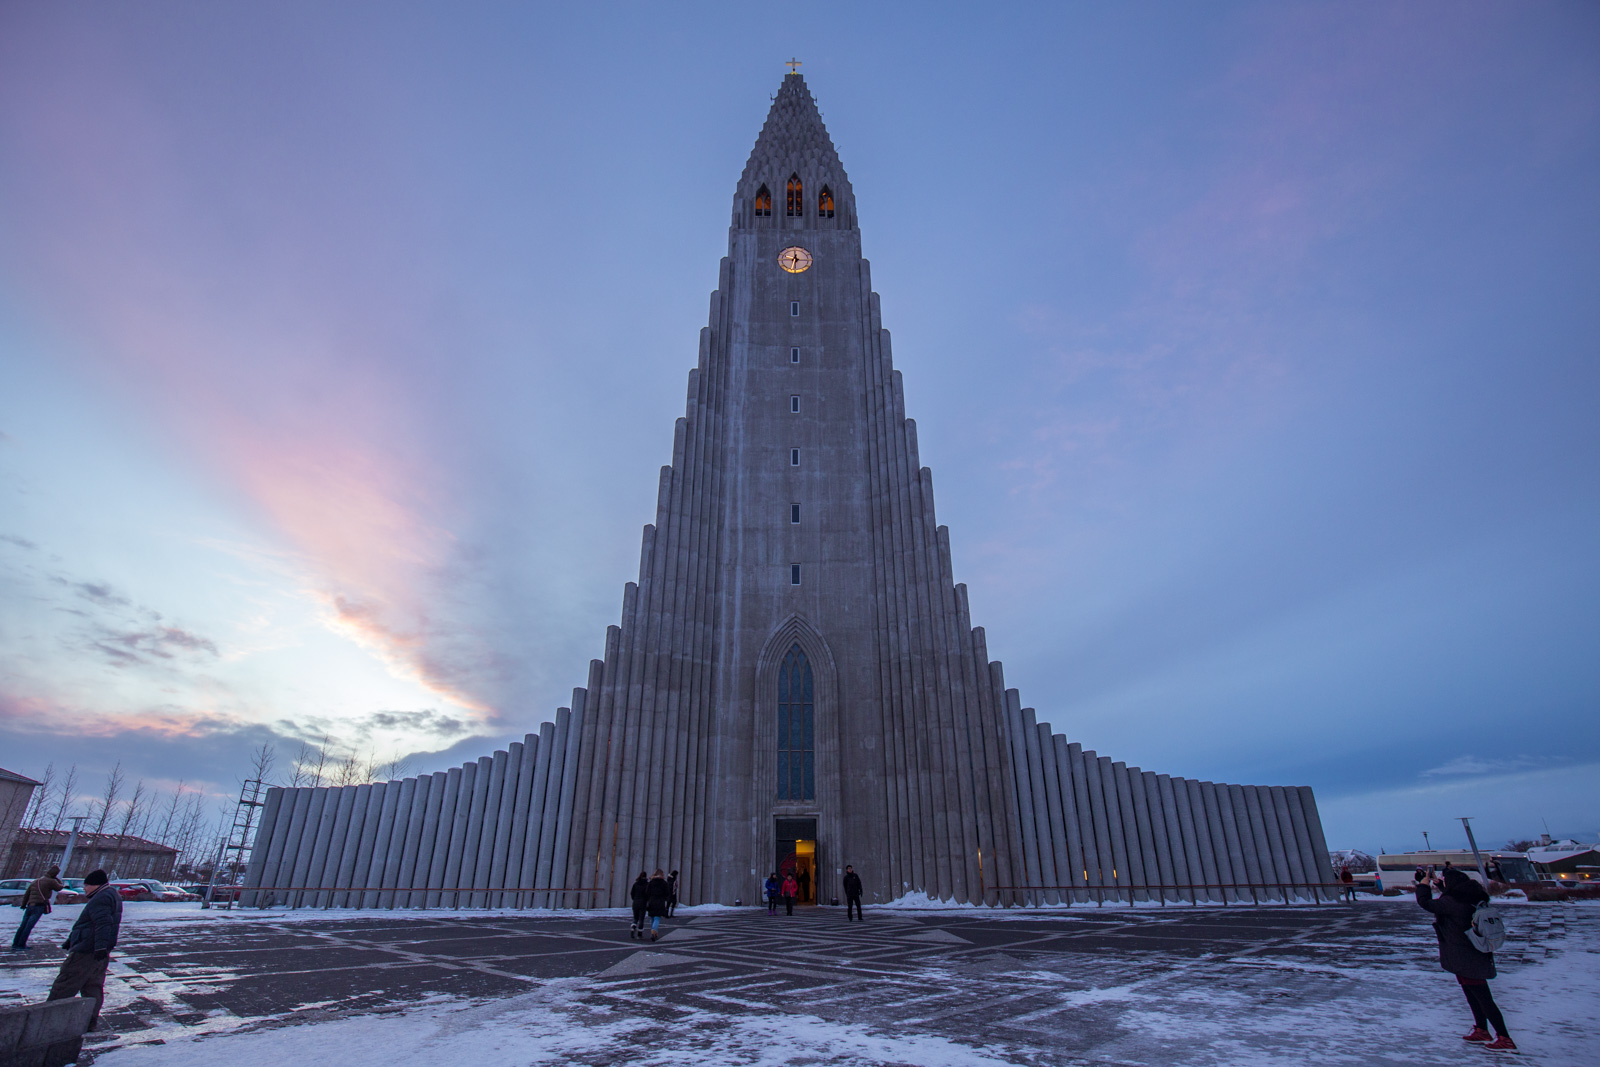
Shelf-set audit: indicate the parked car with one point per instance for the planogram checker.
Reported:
(217, 894)
(131, 890)
(12, 889)
(150, 889)
(73, 893)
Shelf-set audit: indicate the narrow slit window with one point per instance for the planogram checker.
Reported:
(794, 457)
(794, 514)
(796, 201)
(797, 740)
(794, 405)
(825, 204)
(763, 203)
(794, 309)
(794, 574)
(794, 355)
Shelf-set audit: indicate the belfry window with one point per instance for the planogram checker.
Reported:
(825, 204)
(763, 203)
(797, 752)
(794, 457)
(796, 198)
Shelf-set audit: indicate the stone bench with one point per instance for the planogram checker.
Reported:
(44, 1035)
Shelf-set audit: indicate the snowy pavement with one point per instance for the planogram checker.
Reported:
(1331, 984)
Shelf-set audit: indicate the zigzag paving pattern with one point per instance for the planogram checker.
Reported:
(1089, 986)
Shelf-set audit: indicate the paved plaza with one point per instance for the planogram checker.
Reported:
(1329, 984)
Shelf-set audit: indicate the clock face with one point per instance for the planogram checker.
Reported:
(794, 259)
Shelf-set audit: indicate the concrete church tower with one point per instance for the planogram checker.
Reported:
(795, 679)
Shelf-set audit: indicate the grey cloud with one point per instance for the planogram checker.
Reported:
(20, 542)
(128, 647)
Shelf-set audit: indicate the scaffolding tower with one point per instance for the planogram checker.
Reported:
(241, 838)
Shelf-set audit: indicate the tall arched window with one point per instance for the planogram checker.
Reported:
(763, 203)
(825, 204)
(797, 753)
(796, 203)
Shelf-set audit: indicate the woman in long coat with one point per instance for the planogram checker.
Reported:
(1452, 918)
(657, 893)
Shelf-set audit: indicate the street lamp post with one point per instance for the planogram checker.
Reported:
(72, 842)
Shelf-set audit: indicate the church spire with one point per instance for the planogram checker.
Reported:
(794, 156)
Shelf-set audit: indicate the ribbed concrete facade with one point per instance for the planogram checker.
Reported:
(795, 658)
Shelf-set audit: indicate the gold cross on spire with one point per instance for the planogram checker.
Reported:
(793, 65)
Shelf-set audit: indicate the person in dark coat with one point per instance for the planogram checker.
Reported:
(639, 893)
(852, 893)
(672, 901)
(36, 905)
(772, 888)
(89, 945)
(657, 894)
(1348, 880)
(1452, 918)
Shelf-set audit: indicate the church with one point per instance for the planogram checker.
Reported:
(795, 683)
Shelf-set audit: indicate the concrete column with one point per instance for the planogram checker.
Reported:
(1175, 843)
(1282, 873)
(543, 797)
(1100, 819)
(1302, 837)
(1232, 840)
(366, 844)
(395, 849)
(343, 800)
(1158, 834)
(1271, 876)
(1319, 843)
(1130, 830)
(586, 804)
(1120, 861)
(1073, 821)
(284, 876)
(445, 862)
(325, 819)
(262, 845)
(1291, 847)
(1202, 836)
(484, 784)
(554, 868)
(506, 814)
(1024, 793)
(411, 845)
(520, 788)
(1219, 840)
(458, 853)
(1007, 841)
(1082, 789)
(297, 850)
(1041, 808)
(422, 874)
(1057, 809)
(1247, 841)
(344, 878)
(384, 830)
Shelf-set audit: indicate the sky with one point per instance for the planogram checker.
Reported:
(1253, 347)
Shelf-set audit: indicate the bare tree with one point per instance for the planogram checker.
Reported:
(131, 811)
(69, 788)
(261, 762)
(41, 797)
(390, 770)
(169, 819)
(102, 808)
(349, 771)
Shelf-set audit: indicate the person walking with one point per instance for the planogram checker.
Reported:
(672, 901)
(639, 894)
(772, 888)
(1452, 917)
(36, 905)
(89, 945)
(657, 894)
(852, 893)
(1348, 880)
(791, 889)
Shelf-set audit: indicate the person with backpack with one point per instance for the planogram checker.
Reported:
(852, 893)
(1457, 923)
(657, 894)
(36, 905)
(639, 894)
(771, 887)
(791, 889)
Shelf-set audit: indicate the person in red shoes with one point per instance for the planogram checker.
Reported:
(1452, 917)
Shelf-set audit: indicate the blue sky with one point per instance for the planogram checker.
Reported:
(1253, 348)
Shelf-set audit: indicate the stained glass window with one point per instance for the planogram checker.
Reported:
(795, 198)
(763, 202)
(797, 752)
(825, 203)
